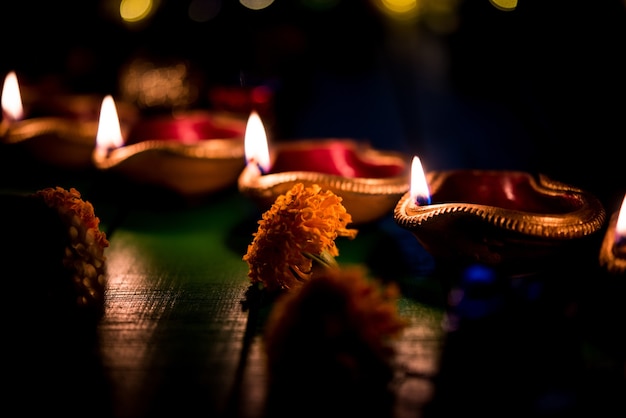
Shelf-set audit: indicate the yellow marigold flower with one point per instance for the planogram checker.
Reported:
(301, 225)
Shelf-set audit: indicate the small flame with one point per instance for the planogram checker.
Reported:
(620, 226)
(11, 98)
(109, 131)
(255, 143)
(419, 191)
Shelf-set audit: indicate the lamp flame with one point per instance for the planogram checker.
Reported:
(109, 133)
(11, 99)
(620, 226)
(255, 143)
(419, 191)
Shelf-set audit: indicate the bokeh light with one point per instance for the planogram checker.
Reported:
(438, 15)
(135, 10)
(504, 5)
(400, 6)
(256, 4)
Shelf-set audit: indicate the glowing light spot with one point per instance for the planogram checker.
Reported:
(11, 98)
(438, 15)
(401, 10)
(479, 274)
(135, 10)
(620, 227)
(419, 190)
(256, 4)
(109, 133)
(400, 6)
(256, 147)
(504, 5)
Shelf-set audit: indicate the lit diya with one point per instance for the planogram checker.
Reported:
(613, 249)
(505, 219)
(57, 129)
(369, 181)
(191, 153)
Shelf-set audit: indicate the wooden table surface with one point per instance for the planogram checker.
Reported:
(176, 338)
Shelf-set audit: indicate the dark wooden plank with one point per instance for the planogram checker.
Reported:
(172, 334)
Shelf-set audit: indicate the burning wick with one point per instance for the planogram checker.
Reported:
(419, 191)
(619, 243)
(109, 135)
(12, 108)
(255, 144)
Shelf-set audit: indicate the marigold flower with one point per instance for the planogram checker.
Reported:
(341, 301)
(68, 204)
(84, 256)
(337, 328)
(302, 225)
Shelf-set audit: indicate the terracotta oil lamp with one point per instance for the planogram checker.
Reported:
(369, 181)
(190, 153)
(508, 220)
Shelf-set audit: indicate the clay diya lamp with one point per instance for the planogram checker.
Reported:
(613, 248)
(369, 181)
(509, 220)
(190, 153)
(58, 129)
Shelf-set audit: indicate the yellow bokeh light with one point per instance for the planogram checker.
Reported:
(135, 10)
(400, 10)
(400, 6)
(505, 5)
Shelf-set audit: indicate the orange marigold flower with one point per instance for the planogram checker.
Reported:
(341, 300)
(337, 328)
(72, 209)
(301, 225)
(84, 257)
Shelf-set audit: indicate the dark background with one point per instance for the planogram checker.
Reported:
(541, 88)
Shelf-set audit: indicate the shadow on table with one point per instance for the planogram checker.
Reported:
(531, 346)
